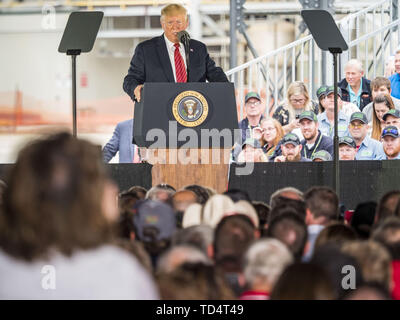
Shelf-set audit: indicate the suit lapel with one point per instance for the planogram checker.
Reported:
(164, 59)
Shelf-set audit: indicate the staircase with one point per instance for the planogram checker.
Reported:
(372, 35)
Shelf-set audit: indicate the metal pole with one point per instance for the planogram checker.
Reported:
(323, 67)
(233, 37)
(336, 175)
(323, 6)
(73, 57)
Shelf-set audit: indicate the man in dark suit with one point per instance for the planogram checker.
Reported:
(163, 59)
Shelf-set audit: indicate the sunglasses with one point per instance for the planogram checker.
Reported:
(359, 125)
(393, 131)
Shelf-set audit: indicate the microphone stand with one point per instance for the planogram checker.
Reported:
(184, 38)
(187, 49)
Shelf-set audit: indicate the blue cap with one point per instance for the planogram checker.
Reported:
(156, 215)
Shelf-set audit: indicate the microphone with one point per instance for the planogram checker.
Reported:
(184, 38)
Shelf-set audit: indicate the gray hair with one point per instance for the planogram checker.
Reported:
(201, 237)
(178, 255)
(153, 193)
(354, 63)
(265, 260)
(278, 192)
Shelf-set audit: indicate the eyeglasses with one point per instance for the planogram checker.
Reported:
(297, 101)
(254, 103)
(359, 125)
(269, 129)
(171, 23)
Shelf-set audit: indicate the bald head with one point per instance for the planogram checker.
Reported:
(183, 199)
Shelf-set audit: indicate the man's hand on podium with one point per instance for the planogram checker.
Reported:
(137, 92)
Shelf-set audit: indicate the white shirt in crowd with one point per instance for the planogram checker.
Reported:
(106, 272)
(349, 108)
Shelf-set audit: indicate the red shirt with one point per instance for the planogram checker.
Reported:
(396, 279)
(254, 295)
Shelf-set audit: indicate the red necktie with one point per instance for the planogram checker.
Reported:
(179, 65)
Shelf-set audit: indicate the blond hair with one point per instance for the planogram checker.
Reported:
(171, 9)
(297, 88)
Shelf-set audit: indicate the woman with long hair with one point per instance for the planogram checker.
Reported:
(380, 105)
(298, 100)
(272, 133)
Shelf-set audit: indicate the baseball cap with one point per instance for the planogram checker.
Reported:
(390, 131)
(321, 91)
(310, 115)
(331, 89)
(322, 155)
(251, 142)
(391, 112)
(291, 138)
(360, 116)
(252, 95)
(156, 215)
(347, 140)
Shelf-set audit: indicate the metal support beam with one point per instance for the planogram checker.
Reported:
(233, 35)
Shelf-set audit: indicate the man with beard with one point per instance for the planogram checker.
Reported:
(367, 148)
(291, 149)
(314, 140)
(347, 148)
(391, 143)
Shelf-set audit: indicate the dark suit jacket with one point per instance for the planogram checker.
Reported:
(366, 95)
(151, 63)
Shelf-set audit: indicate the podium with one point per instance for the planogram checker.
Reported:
(186, 131)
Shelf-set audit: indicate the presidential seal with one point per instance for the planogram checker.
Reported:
(190, 108)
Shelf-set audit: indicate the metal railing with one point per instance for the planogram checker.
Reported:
(371, 35)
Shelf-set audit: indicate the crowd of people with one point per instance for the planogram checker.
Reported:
(61, 211)
(368, 121)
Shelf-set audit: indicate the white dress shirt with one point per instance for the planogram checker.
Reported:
(171, 53)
